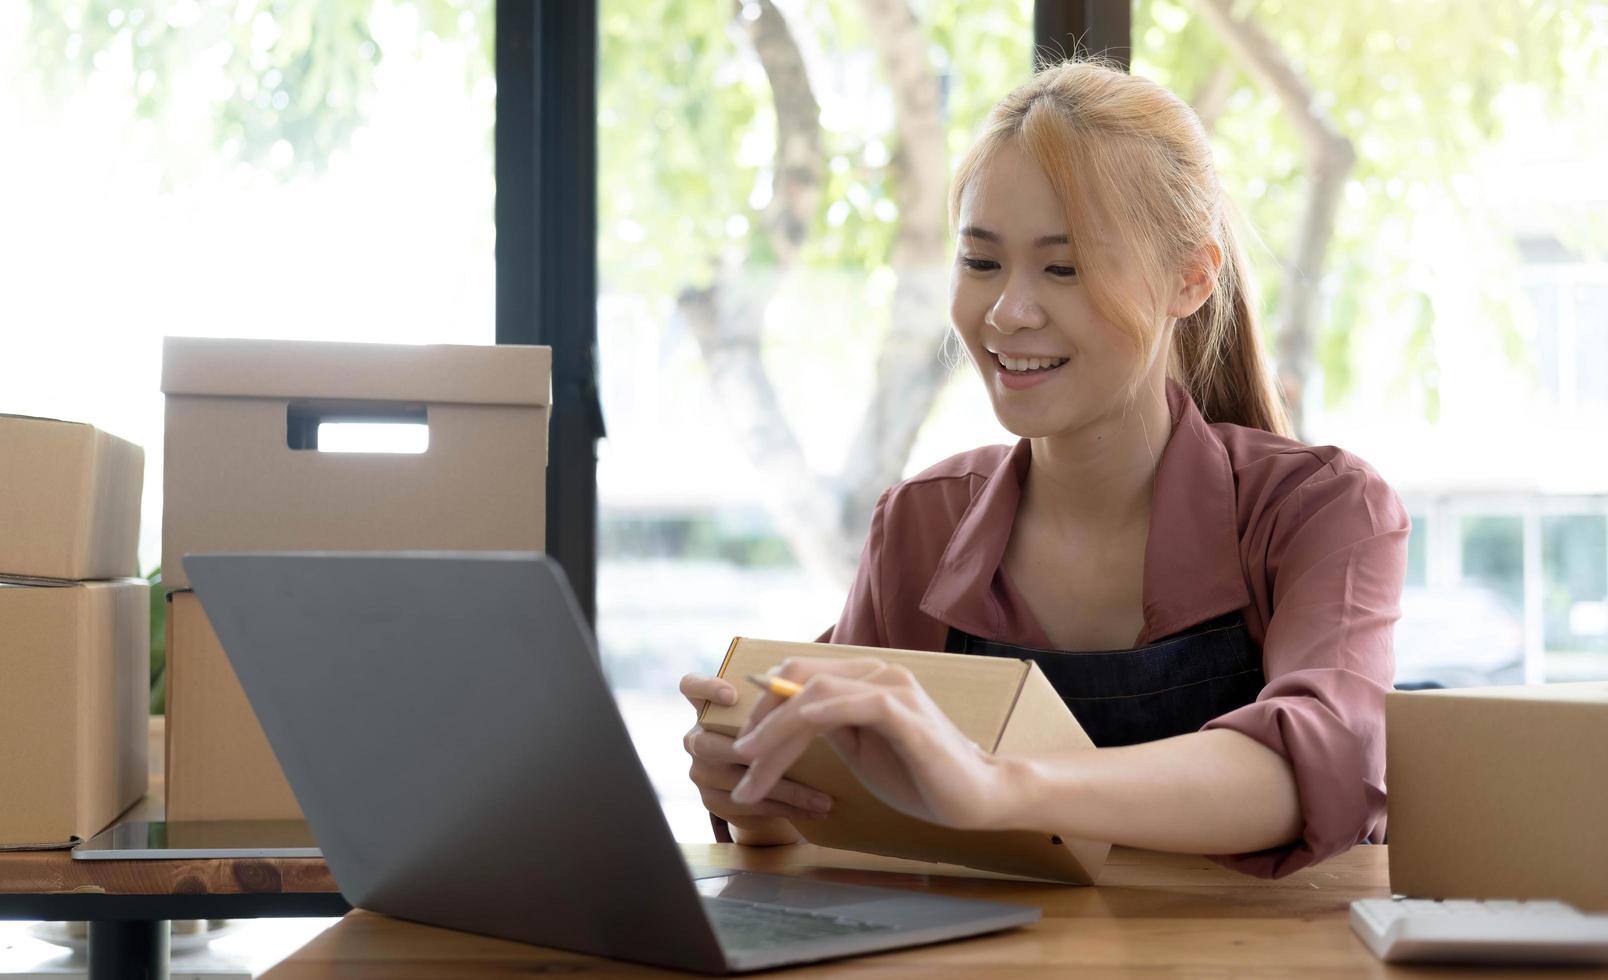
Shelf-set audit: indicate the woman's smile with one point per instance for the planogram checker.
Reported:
(1025, 372)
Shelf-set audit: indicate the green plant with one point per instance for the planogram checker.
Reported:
(158, 642)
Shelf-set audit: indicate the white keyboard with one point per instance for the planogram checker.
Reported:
(1423, 930)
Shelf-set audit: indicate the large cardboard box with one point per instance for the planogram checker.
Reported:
(75, 663)
(219, 763)
(1499, 792)
(1005, 706)
(69, 500)
(243, 471)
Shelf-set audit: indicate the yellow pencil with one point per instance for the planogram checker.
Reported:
(779, 686)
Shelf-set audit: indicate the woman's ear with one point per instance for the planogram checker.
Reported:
(1195, 284)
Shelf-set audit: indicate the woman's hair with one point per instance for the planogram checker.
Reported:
(1129, 158)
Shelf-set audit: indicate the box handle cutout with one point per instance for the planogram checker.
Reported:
(358, 427)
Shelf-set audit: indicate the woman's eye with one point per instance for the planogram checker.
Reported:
(980, 265)
(1062, 271)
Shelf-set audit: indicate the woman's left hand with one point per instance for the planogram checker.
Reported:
(897, 741)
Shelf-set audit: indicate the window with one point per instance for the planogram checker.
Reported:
(251, 169)
(1440, 307)
(770, 199)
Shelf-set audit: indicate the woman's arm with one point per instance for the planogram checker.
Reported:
(1212, 792)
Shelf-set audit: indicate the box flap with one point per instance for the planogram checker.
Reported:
(504, 374)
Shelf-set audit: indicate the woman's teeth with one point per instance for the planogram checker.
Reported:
(1029, 363)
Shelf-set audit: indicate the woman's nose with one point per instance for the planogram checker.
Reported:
(1015, 309)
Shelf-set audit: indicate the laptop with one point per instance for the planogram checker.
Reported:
(448, 731)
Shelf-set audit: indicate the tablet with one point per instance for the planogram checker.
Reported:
(138, 840)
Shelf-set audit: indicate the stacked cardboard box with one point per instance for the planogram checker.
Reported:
(74, 632)
(244, 472)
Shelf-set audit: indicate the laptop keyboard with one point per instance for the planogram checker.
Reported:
(749, 925)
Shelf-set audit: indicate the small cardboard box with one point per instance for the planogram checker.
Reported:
(243, 471)
(75, 664)
(1005, 706)
(69, 500)
(1499, 792)
(219, 763)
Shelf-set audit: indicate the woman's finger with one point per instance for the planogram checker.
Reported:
(720, 803)
(801, 671)
(774, 746)
(710, 746)
(712, 776)
(763, 775)
(764, 735)
(699, 688)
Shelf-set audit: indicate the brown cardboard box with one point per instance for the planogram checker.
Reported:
(219, 763)
(69, 500)
(1499, 792)
(1005, 706)
(241, 412)
(75, 662)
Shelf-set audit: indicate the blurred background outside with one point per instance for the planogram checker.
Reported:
(773, 258)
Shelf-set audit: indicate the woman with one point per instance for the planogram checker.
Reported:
(1237, 588)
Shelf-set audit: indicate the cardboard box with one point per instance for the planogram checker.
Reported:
(69, 500)
(1499, 792)
(219, 763)
(1005, 706)
(243, 472)
(75, 662)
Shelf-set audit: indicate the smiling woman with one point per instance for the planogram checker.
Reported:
(1212, 599)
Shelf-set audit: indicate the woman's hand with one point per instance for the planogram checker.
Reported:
(716, 768)
(900, 744)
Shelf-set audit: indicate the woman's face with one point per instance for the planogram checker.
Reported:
(1050, 361)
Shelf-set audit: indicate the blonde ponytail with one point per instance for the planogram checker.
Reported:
(1217, 351)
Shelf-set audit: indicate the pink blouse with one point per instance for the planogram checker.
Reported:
(1307, 541)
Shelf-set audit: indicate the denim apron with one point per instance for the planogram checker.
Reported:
(1171, 687)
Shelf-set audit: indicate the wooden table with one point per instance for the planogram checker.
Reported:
(1151, 914)
(128, 904)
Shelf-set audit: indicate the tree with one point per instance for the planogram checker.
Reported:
(1328, 120)
(1375, 103)
(722, 301)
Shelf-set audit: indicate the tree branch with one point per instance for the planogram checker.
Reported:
(1330, 157)
(800, 164)
(1212, 96)
(727, 318)
(727, 321)
(909, 372)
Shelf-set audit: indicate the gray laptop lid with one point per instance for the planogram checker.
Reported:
(456, 759)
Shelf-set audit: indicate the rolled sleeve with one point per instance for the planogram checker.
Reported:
(1336, 562)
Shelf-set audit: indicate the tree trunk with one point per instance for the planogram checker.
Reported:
(824, 519)
(1330, 157)
(1212, 96)
(727, 318)
(910, 370)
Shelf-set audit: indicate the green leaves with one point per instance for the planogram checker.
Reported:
(282, 84)
(1418, 87)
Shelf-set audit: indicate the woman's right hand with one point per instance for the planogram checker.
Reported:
(716, 769)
